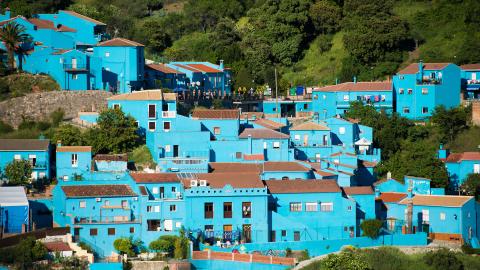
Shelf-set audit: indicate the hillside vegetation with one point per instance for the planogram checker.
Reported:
(310, 42)
(17, 85)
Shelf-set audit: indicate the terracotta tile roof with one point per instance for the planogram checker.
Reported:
(316, 167)
(83, 17)
(438, 200)
(46, 24)
(23, 144)
(216, 114)
(74, 149)
(337, 154)
(262, 133)
(254, 157)
(155, 177)
(217, 167)
(284, 166)
(302, 186)
(416, 177)
(143, 190)
(266, 123)
(368, 164)
(457, 157)
(111, 157)
(310, 126)
(413, 68)
(385, 180)
(57, 246)
(249, 115)
(119, 42)
(470, 67)
(145, 95)
(2, 23)
(204, 68)
(61, 51)
(358, 86)
(98, 191)
(236, 180)
(164, 68)
(366, 190)
(391, 197)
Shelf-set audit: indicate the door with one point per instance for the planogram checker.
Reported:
(227, 232)
(175, 151)
(74, 63)
(296, 236)
(76, 234)
(247, 233)
(273, 236)
(162, 192)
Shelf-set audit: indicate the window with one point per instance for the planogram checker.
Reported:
(173, 208)
(168, 225)
(17, 157)
(149, 208)
(116, 106)
(295, 207)
(442, 216)
(155, 190)
(32, 159)
(406, 110)
(111, 231)
(74, 77)
(264, 145)
(82, 204)
(132, 229)
(325, 139)
(476, 168)
(284, 233)
(410, 91)
(74, 160)
(216, 130)
(167, 148)
(152, 111)
(297, 137)
(93, 231)
(425, 216)
(349, 208)
(152, 125)
(153, 224)
(311, 207)
(208, 207)
(384, 97)
(107, 54)
(424, 109)
(106, 202)
(276, 144)
(124, 204)
(238, 155)
(296, 236)
(164, 107)
(341, 130)
(174, 189)
(156, 209)
(326, 207)
(227, 210)
(424, 91)
(346, 98)
(305, 106)
(166, 126)
(246, 209)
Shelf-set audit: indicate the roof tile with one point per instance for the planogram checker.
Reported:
(235, 179)
(23, 144)
(98, 191)
(302, 186)
(216, 114)
(119, 42)
(391, 197)
(438, 200)
(164, 69)
(145, 95)
(155, 177)
(357, 86)
(310, 126)
(266, 123)
(284, 166)
(74, 149)
(359, 190)
(262, 133)
(413, 68)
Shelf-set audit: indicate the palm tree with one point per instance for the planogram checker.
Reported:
(13, 35)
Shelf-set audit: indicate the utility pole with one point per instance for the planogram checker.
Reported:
(276, 93)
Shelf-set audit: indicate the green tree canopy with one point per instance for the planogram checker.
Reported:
(371, 227)
(18, 172)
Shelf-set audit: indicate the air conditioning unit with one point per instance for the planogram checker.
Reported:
(203, 183)
(193, 183)
(98, 199)
(135, 198)
(178, 195)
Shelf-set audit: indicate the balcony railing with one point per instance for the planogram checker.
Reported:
(429, 81)
(107, 220)
(169, 114)
(79, 67)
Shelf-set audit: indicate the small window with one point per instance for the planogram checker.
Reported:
(406, 110)
(401, 91)
(284, 233)
(93, 231)
(216, 130)
(276, 144)
(295, 207)
(227, 210)
(166, 126)
(116, 106)
(442, 216)
(152, 125)
(149, 208)
(137, 125)
(425, 91)
(74, 160)
(111, 231)
(341, 130)
(410, 91)
(74, 77)
(208, 207)
(82, 204)
(265, 145)
(153, 225)
(349, 208)
(305, 106)
(326, 207)
(296, 236)
(173, 208)
(311, 207)
(155, 190)
(167, 148)
(238, 155)
(106, 202)
(346, 98)
(107, 54)
(17, 157)
(152, 111)
(297, 137)
(124, 204)
(424, 110)
(425, 216)
(156, 209)
(246, 209)
(174, 189)
(132, 229)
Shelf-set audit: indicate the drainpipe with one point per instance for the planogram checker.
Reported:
(250, 144)
(409, 211)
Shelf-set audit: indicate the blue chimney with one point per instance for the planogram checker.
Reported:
(420, 69)
(221, 65)
(354, 79)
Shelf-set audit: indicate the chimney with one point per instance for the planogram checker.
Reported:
(336, 81)
(250, 144)
(409, 212)
(377, 192)
(354, 79)
(221, 65)
(7, 13)
(59, 143)
(389, 175)
(420, 69)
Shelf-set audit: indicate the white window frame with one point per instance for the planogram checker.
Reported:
(276, 145)
(17, 157)
(74, 77)
(401, 91)
(311, 207)
(217, 131)
(74, 160)
(156, 208)
(107, 54)
(170, 123)
(168, 148)
(341, 130)
(410, 91)
(155, 125)
(82, 204)
(425, 91)
(443, 216)
(296, 137)
(476, 168)
(346, 98)
(326, 206)
(425, 215)
(265, 146)
(295, 207)
(155, 190)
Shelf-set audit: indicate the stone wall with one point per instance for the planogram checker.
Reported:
(476, 113)
(38, 106)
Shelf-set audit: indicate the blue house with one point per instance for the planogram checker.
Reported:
(419, 88)
(459, 165)
(311, 140)
(74, 163)
(364, 198)
(333, 100)
(470, 81)
(37, 152)
(162, 76)
(417, 185)
(273, 108)
(14, 211)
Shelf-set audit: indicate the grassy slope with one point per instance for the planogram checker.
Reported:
(318, 68)
(468, 140)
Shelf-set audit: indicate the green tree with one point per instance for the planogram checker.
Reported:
(68, 135)
(57, 116)
(27, 252)
(13, 36)
(326, 16)
(346, 260)
(181, 247)
(18, 172)
(124, 245)
(371, 227)
(471, 186)
(443, 259)
(165, 243)
(450, 122)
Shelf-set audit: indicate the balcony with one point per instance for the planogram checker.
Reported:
(429, 81)
(38, 165)
(107, 220)
(75, 68)
(169, 114)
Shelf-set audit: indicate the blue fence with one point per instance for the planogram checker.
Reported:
(221, 265)
(317, 248)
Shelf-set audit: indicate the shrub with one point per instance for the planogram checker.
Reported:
(443, 259)
(165, 243)
(181, 248)
(5, 128)
(371, 227)
(57, 116)
(124, 246)
(350, 260)
(303, 255)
